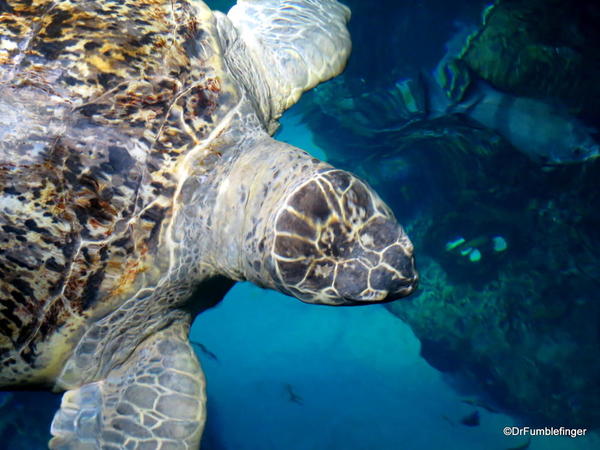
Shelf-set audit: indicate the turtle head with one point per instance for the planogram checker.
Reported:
(309, 230)
(335, 242)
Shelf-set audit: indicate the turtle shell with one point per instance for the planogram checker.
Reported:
(100, 103)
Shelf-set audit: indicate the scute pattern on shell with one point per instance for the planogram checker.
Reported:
(101, 101)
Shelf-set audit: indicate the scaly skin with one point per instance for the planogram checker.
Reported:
(136, 166)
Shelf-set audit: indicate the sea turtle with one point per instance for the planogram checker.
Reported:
(136, 166)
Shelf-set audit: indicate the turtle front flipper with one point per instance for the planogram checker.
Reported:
(282, 48)
(154, 400)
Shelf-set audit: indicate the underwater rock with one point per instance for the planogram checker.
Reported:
(543, 130)
(545, 49)
(546, 132)
(511, 74)
(540, 58)
(523, 344)
(549, 125)
(520, 325)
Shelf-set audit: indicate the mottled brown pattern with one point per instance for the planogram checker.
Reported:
(334, 239)
(103, 99)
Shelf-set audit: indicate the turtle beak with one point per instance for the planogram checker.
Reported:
(309, 230)
(390, 277)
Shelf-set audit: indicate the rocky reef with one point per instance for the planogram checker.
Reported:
(542, 49)
(520, 325)
(508, 247)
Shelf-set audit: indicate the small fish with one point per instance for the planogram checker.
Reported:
(293, 397)
(479, 404)
(449, 420)
(522, 446)
(204, 350)
(471, 420)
